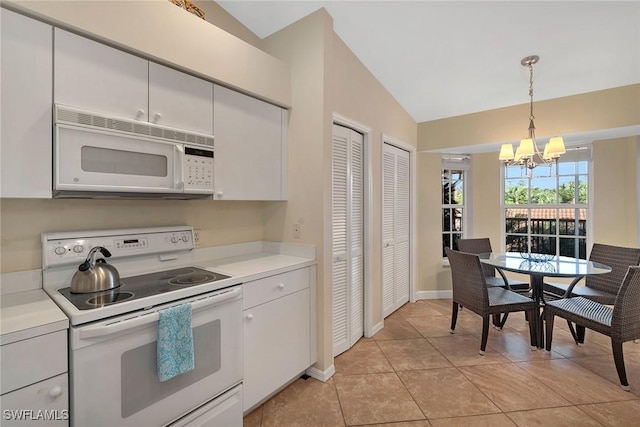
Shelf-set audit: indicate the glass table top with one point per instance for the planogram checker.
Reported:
(556, 266)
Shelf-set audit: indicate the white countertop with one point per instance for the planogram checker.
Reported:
(28, 314)
(257, 265)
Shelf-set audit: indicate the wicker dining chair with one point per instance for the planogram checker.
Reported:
(621, 322)
(601, 288)
(470, 290)
(483, 245)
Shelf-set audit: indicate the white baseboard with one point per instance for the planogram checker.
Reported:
(377, 328)
(434, 294)
(323, 376)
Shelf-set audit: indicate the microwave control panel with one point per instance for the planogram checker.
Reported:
(198, 169)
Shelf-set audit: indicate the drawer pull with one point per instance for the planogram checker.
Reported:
(55, 391)
(281, 286)
(249, 316)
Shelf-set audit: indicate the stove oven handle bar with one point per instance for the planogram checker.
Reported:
(145, 319)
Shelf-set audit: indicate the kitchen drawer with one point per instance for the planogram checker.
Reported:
(272, 287)
(29, 361)
(42, 403)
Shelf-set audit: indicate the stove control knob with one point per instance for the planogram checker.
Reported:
(174, 239)
(60, 250)
(185, 238)
(78, 249)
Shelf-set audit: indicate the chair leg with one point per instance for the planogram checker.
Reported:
(574, 334)
(533, 333)
(548, 331)
(618, 357)
(485, 334)
(454, 317)
(580, 332)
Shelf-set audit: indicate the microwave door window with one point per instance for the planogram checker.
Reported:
(121, 162)
(95, 161)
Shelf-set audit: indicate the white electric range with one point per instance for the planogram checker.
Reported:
(113, 334)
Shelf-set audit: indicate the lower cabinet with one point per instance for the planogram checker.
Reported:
(277, 338)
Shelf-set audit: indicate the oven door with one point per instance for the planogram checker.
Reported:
(96, 160)
(113, 369)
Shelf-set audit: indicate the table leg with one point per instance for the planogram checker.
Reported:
(537, 289)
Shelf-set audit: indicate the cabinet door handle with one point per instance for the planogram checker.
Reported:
(219, 194)
(249, 316)
(139, 114)
(157, 117)
(281, 286)
(55, 391)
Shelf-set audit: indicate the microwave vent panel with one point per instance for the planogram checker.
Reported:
(72, 116)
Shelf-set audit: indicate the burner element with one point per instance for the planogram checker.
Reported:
(192, 279)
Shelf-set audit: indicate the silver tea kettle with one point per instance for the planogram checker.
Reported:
(95, 275)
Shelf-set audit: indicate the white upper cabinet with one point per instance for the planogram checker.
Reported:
(95, 77)
(25, 88)
(250, 147)
(99, 78)
(180, 100)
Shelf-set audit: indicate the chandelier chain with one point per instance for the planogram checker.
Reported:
(531, 90)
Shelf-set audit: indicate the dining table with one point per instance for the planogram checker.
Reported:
(539, 266)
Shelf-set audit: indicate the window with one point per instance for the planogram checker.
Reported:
(454, 203)
(547, 211)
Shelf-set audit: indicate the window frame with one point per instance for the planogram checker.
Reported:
(461, 163)
(582, 153)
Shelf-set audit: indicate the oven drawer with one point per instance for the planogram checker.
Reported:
(263, 290)
(29, 361)
(223, 411)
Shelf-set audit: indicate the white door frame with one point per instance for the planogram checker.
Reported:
(341, 120)
(412, 213)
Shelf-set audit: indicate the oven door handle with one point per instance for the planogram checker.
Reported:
(145, 319)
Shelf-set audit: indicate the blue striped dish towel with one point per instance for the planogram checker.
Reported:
(175, 342)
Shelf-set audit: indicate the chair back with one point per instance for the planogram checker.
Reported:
(467, 277)
(626, 310)
(619, 259)
(478, 246)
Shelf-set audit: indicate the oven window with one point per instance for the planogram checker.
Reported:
(140, 386)
(121, 162)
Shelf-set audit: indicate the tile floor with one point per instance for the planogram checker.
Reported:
(414, 373)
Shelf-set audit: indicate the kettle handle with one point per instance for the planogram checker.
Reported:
(90, 261)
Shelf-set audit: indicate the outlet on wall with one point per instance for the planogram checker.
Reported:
(296, 231)
(196, 238)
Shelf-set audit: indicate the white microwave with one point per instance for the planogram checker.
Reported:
(103, 157)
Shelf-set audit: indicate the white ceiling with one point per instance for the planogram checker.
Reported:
(447, 58)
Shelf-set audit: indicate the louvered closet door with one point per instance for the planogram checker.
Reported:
(348, 241)
(395, 228)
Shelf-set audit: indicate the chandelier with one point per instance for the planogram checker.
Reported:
(528, 154)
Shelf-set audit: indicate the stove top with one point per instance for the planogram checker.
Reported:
(142, 286)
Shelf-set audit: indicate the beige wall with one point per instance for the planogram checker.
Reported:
(218, 16)
(307, 46)
(605, 109)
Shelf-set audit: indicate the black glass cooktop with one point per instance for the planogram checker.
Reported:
(145, 285)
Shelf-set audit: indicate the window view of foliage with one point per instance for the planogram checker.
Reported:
(519, 194)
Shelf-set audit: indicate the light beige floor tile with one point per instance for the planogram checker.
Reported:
(435, 326)
(437, 306)
(411, 354)
(615, 414)
(364, 357)
(605, 367)
(254, 418)
(446, 393)
(462, 350)
(564, 344)
(493, 420)
(517, 322)
(553, 417)
(512, 388)
(304, 403)
(516, 347)
(396, 328)
(574, 382)
(421, 308)
(421, 423)
(375, 398)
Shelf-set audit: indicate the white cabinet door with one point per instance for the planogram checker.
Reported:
(395, 228)
(276, 345)
(180, 100)
(96, 77)
(250, 147)
(48, 398)
(25, 90)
